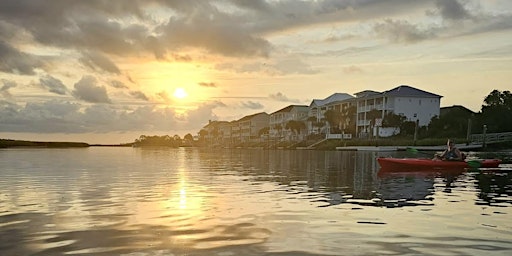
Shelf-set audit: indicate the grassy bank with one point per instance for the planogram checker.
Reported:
(22, 143)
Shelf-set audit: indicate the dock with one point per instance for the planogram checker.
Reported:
(464, 147)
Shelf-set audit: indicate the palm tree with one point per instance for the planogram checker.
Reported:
(295, 126)
(334, 118)
(348, 116)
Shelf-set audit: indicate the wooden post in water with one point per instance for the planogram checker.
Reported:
(484, 136)
(416, 131)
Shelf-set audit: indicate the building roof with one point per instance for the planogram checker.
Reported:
(289, 108)
(408, 91)
(336, 97)
(366, 93)
(249, 117)
(215, 123)
(459, 108)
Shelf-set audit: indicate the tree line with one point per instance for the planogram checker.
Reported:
(164, 141)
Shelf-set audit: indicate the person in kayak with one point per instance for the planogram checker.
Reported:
(450, 154)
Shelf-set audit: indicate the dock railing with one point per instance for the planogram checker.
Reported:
(491, 137)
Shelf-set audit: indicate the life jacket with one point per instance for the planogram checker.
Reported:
(451, 154)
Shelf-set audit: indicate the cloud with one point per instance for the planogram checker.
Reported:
(293, 65)
(284, 65)
(53, 85)
(401, 31)
(139, 95)
(199, 117)
(352, 69)
(452, 10)
(96, 60)
(56, 116)
(214, 32)
(118, 84)
(164, 96)
(17, 62)
(252, 105)
(281, 97)
(46, 117)
(7, 84)
(227, 27)
(87, 90)
(207, 84)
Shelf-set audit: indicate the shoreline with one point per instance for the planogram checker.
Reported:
(9, 143)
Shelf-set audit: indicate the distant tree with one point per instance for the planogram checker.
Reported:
(453, 124)
(372, 115)
(348, 116)
(202, 134)
(497, 111)
(278, 128)
(263, 131)
(333, 118)
(295, 126)
(188, 137)
(407, 128)
(166, 140)
(393, 120)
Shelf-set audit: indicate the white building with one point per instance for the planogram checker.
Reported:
(247, 128)
(415, 104)
(280, 119)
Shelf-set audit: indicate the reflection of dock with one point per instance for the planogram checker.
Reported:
(404, 148)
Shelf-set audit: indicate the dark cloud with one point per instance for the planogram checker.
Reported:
(87, 90)
(53, 85)
(14, 61)
(139, 95)
(64, 117)
(7, 84)
(46, 117)
(251, 105)
(96, 61)
(214, 32)
(281, 97)
(163, 95)
(452, 10)
(227, 27)
(118, 84)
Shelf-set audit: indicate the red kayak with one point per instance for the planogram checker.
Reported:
(412, 164)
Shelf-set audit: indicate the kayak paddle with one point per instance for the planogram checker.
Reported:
(474, 163)
(416, 151)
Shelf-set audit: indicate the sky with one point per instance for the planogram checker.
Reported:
(100, 71)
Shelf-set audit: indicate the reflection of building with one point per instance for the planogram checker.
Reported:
(406, 187)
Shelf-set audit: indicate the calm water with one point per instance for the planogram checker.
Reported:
(125, 201)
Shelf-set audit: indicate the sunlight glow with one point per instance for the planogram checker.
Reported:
(180, 93)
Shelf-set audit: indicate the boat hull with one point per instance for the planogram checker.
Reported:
(415, 164)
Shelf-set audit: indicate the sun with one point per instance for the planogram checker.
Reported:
(180, 93)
